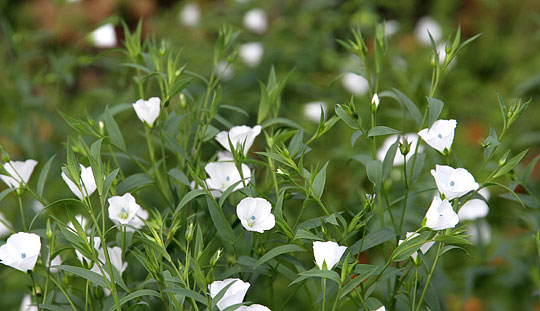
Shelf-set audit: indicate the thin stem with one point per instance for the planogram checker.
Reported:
(21, 210)
(430, 275)
(324, 294)
(414, 289)
(61, 288)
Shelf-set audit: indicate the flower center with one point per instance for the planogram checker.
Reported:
(452, 183)
(252, 217)
(23, 255)
(228, 178)
(123, 213)
(440, 136)
(440, 215)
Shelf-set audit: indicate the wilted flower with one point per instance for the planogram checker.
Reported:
(148, 110)
(440, 135)
(251, 53)
(355, 84)
(239, 136)
(479, 232)
(104, 36)
(440, 215)
(255, 307)
(27, 305)
(190, 15)
(424, 248)
(312, 110)
(225, 174)
(423, 26)
(87, 181)
(20, 172)
(4, 225)
(453, 182)
(234, 295)
(411, 138)
(328, 253)
(125, 210)
(21, 251)
(255, 21)
(255, 214)
(473, 209)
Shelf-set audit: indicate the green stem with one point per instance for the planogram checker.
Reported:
(21, 210)
(324, 294)
(430, 275)
(414, 289)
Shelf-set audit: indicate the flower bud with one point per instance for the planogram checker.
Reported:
(5, 155)
(434, 60)
(375, 103)
(405, 146)
(216, 257)
(101, 126)
(369, 201)
(502, 160)
(189, 232)
(232, 58)
(48, 231)
(183, 100)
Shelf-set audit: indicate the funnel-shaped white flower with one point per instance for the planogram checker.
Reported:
(251, 53)
(222, 175)
(87, 181)
(255, 214)
(125, 210)
(355, 84)
(234, 295)
(27, 304)
(255, 307)
(148, 110)
(313, 110)
(104, 36)
(239, 136)
(453, 182)
(190, 15)
(473, 209)
(327, 252)
(440, 135)
(423, 26)
(255, 21)
(424, 248)
(20, 172)
(440, 215)
(21, 251)
(412, 138)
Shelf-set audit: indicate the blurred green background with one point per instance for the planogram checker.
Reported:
(49, 62)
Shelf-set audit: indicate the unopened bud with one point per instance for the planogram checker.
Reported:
(183, 100)
(369, 201)
(189, 232)
(216, 257)
(405, 146)
(434, 60)
(232, 58)
(101, 126)
(48, 230)
(502, 160)
(375, 103)
(5, 155)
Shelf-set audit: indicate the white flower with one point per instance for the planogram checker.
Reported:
(27, 305)
(239, 136)
(225, 69)
(391, 27)
(255, 21)
(190, 15)
(312, 110)
(327, 252)
(484, 192)
(4, 225)
(453, 182)
(381, 309)
(424, 25)
(125, 210)
(56, 261)
(440, 215)
(479, 232)
(251, 53)
(355, 84)
(255, 214)
(20, 172)
(255, 307)
(234, 294)
(375, 101)
(424, 248)
(473, 209)
(21, 251)
(440, 135)
(87, 181)
(148, 110)
(222, 175)
(412, 138)
(104, 36)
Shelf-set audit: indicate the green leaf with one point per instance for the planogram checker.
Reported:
(179, 176)
(189, 197)
(307, 235)
(504, 110)
(91, 276)
(373, 239)
(382, 130)
(114, 131)
(355, 136)
(133, 182)
(510, 164)
(409, 247)
(279, 250)
(43, 176)
(374, 172)
(223, 227)
(280, 121)
(418, 166)
(319, 181)
(405, 101)
(139, 293)
(452, 239)
(362, 273)
(317, 273)
(343, 115)
(108, 181)
(435, 108)
(389, 158)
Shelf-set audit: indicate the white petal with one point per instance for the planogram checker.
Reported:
(424, 25)
(473, 209)
(355, 84)
(104, 36)
(251, 53)
(255, 21)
